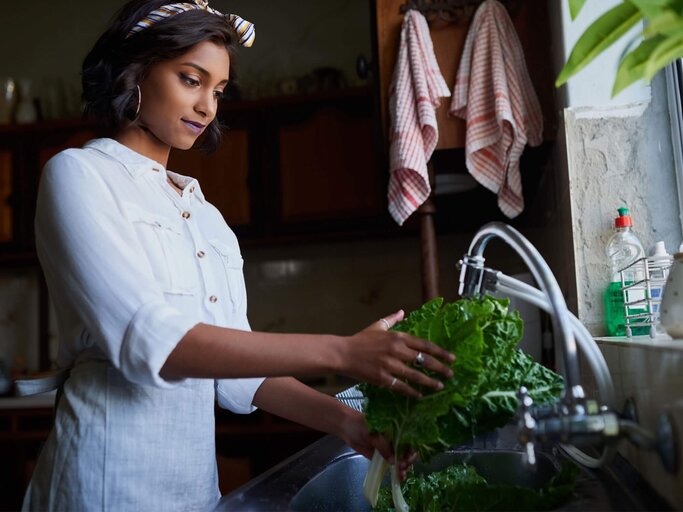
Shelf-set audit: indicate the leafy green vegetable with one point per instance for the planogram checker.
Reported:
(460, 487)
(481, 395)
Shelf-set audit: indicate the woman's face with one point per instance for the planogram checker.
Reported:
(180, 96)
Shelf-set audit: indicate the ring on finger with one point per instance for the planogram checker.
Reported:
(419, 360)
(393, 382)
(384, 321)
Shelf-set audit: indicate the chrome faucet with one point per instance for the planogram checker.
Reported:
(574, 420)
(471, 286)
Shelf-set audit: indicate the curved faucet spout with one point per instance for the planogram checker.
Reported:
(472, 279)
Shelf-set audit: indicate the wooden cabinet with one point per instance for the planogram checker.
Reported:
(296, 166)
(24, 150)
(289, 166)
(328, 168)
(223, 175)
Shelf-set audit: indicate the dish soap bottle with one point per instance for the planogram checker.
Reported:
(623, 249)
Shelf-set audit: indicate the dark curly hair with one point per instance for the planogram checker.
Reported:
(117, 64)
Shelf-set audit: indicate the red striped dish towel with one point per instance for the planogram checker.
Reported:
(416, 87)
(494, 94)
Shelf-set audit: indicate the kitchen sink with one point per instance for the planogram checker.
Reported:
(328, 475)
(339, 485)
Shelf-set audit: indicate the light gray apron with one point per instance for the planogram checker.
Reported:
(126, 447)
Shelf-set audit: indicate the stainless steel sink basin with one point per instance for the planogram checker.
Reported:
(328, 475)
(339, 485)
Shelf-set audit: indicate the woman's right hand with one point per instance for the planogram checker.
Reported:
(392, 359)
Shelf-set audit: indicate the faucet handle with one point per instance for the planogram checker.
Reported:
(526, 426)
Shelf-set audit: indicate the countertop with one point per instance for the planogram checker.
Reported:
(662, 341)
(42, 400)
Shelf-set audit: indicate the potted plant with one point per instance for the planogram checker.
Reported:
(662, 39)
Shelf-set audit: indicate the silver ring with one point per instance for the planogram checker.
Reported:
(384, 321)
(419, 359)
(393, 382)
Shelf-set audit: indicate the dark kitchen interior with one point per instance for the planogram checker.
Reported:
(301, 177)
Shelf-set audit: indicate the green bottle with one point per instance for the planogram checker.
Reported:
(623, 249)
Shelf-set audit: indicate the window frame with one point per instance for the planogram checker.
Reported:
(674, 87)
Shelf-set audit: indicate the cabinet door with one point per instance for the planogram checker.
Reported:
(328, 167)
(222, 175)
(24, 150)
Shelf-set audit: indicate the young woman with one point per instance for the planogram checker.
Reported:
(149, 292)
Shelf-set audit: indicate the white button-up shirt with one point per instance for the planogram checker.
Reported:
(132, 266)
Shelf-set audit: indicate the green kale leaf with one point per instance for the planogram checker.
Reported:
(460, 487)
(482, 394)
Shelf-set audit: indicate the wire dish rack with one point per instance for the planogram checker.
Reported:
(352, 397)
(642, 285)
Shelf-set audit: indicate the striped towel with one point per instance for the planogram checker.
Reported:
(494, 94)
(414, 95)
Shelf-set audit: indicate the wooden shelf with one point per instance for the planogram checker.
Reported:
(17, 259)
(329, 96)
(53, 125)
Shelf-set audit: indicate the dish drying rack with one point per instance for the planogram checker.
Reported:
(643, 296)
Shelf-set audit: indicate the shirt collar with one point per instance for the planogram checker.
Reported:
(137, 164)
(187, 183)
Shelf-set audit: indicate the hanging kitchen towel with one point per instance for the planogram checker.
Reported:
(414, 95)
(494, 94)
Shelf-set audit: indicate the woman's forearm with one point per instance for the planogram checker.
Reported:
(375, 355)
(291, 399)
(288, 398)
(208, 351)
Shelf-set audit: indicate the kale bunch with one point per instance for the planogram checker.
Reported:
(488, 371)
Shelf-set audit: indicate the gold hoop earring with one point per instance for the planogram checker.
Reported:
(137, 110)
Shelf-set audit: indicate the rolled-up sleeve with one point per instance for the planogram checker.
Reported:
(93, 261)
(237, 395)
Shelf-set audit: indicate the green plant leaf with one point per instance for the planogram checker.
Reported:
(667, 22)
(575, 7)
(651, 8)
(604, 31)
(667, 51)
(632, 66)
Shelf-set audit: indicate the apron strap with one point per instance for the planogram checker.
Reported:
(47, 382)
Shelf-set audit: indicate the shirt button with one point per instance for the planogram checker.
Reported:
(213, 298)
(191, 189)
(201, 254)
(186, 215)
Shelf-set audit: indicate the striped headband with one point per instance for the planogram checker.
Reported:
(245, 30)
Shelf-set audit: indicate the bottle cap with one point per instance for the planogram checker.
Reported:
(624, 219)
(658, 249)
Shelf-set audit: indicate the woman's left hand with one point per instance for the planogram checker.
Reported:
(355, 433)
